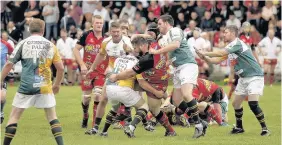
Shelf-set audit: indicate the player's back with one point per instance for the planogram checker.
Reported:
(36, 55)
(121, 64)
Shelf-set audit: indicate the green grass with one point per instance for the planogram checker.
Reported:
(33, 129)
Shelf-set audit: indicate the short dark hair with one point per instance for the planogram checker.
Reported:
(234, 29)
(168, 19)
(139, 40)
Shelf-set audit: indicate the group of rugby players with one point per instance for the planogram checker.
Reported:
(119, 69)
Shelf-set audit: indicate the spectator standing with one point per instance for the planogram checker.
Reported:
(233, 20)
(254, 14)
(138, 21)
(196, 18)
(67, 21)
(32, 10)
(207, 23)
(51, 17)
(65, 46)
(200, 9)
(18, 8)
(103, 12)
(143, 11)
(76, 13)
(238, 10)
(155, 8)
(14, 32)
(129, 10)
(268, 12)
(166, 8)
(87, 9)
(181, 21)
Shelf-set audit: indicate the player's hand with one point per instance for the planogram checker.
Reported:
(83, 69)
(159, 94)
(126, 48)
(87, 75)
(153, 51)
(113, 78)
(56, 88)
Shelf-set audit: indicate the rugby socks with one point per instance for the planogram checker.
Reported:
(127, 112)
(139, 116)
(214, 113)
(238, 116)
(193, 111)
(109, 120)
(183, 107)
(57, 131)
(85, 110)
(95, 105)
(2, 107)
(258, 113)
(271, 79)
(163, 120)
(97, 122)
(10, 133)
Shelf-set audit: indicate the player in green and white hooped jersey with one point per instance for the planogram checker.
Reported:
(251, 80)
(186, 70)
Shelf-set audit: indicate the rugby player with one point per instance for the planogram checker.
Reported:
(115, 46)
(186, 70)
(36, 55)
(251, 80)
(6, 49)
(91, 42)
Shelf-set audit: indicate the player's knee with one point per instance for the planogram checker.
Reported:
(253, 105)
(144, 106)
(202, 106)
(97, 91)
(155, 110)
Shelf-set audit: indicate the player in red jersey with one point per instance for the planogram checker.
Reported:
(155, 81)
(91, 42)
(212, 101)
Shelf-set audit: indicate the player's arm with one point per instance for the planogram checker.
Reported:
(231, 74)
(176, 36)
(217, 53)
(80, 44)
(145, 63)
(215, 60)
(146, 86)
(100, 56)
(57, 61)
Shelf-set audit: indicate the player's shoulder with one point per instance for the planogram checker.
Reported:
(107, 40)
(175, 29)
(86, 33)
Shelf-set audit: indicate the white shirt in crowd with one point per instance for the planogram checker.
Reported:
(65, 48)
(270, 47)
(103, 13)
(235, 22)
(11, 43)
(198, 43)
(87, 7)
(268, 12)
(130, 12)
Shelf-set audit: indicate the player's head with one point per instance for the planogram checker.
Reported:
(271, 33)
(165, 22)
(124, 25)
(115, 31)
(140, 45)
(230, 33)
(97, 23)
(246, 27)
(36, 26)
(153, 30)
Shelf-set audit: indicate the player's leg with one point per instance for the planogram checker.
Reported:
(154, 105)
(98, 89)
(272, 69)
(100, 112)
(12, 124)
(86, 98)
(255, 89)
(217, 96)
(110, 117)
(188, 76)
(3, 100)
(133, 98)
(70, 72)
(266, 68)
(56, 127)
(233, 86)
(240, 95)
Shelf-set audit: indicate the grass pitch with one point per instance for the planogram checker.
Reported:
(33, 128)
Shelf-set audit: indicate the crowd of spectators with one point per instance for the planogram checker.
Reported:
(66, 20)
